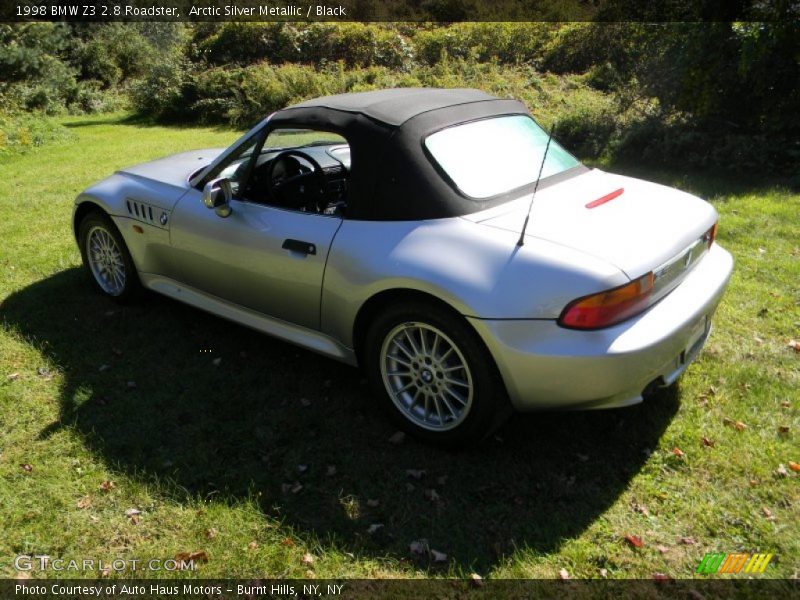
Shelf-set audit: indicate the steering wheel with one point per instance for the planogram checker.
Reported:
(304, 189)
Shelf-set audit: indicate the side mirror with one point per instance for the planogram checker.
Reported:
(217, 194)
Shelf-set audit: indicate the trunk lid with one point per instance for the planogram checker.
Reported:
(643, 228)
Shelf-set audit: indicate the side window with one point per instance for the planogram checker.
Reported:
(301, 169)
(237, 165)
(236, 169)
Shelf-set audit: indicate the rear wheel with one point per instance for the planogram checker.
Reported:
(434, 375)
(106, 258)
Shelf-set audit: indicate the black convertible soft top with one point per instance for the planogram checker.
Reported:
(392, 176)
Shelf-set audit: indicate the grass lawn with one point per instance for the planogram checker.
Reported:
(275, 453)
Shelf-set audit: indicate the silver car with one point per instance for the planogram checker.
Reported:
(437, 238)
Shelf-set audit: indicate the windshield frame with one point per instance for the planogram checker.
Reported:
(505, 195)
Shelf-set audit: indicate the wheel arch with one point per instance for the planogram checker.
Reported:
(373, 305)
(83, 208)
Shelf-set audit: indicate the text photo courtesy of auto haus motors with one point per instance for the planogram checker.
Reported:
(398, 301)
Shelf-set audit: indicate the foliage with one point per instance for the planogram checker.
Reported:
(20, 133)
(724, 94)
(355, 44)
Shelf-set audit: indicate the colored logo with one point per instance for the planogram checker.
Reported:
(734, 563)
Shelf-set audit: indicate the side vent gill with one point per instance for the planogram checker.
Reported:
(152, 215)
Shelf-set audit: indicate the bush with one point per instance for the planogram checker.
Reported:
(162, 92)
(510, 43)
(20, 133)
(356, 44)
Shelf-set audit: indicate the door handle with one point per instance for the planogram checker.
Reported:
(299, 246)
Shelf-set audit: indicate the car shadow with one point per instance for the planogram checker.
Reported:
(164, 393)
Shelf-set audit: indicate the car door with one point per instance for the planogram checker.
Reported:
(262, 257)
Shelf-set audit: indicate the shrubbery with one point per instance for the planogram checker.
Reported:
(19, 133)
(713, 94)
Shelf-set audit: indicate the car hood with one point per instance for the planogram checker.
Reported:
(636, 231)
(176, 169)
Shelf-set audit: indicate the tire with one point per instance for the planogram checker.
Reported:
(447, 392)
(108, 263)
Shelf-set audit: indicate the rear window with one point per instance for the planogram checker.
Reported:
(494, 156)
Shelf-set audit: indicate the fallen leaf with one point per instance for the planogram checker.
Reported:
(287, 542)
(374, 528)
(767, 513)
(132, 512)
(563, 573)
(26, 467)
(134, 519)
(252, 545)
(794, 345)
(330, 471)
(662, 549)
(783, 429)
(308, 559)
(305, 402)
(211, 533)
(107, 486)
(794, 466)
(373, 502)
(438, 556)
(641, 508)
(739, 426)
(758, 340)
(781, 471)
(688, 540)
(432, 495)
(45, 372)
(786, 404)
(678, 452)
(397, 437)
(186, 557)
(415, 473)
(13, 377)
(708, 442)
(84, 502)
(634, 540)
(762, 251)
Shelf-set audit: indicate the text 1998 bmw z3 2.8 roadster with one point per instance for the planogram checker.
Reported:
(385, 229)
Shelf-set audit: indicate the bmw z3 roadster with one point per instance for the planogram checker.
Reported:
(390, 230)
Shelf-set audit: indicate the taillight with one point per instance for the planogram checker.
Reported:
(710, 235)
(609, 307)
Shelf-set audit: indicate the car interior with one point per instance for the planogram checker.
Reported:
(300, 170)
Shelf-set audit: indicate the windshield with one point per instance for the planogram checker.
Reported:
(493, 156)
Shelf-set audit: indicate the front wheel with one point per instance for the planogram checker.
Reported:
(106, 258)
(434, 375)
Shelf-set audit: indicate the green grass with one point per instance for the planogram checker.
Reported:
(205, 452)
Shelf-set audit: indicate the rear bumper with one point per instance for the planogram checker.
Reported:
(547, 366)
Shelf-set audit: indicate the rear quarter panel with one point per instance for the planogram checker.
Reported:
(479, 271)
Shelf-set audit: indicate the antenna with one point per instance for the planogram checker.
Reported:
(520, 241)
